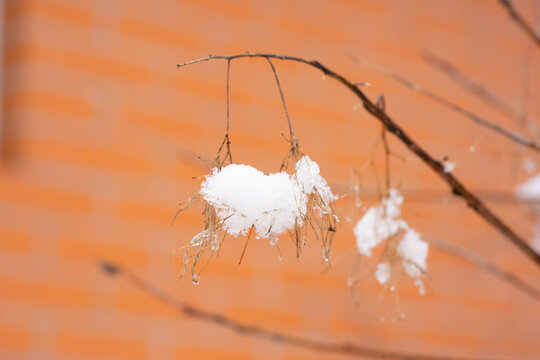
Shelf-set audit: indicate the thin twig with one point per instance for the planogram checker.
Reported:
(226, 139)
(256, 331)
(457, 108)
(485, 265)
(507, 4)
(293, 139)
(228, 104)
(386, 159)
(245, 246)
(457, 187)
(381, 103)
(228, 73)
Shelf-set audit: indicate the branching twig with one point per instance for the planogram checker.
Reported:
(457, 187)
(457, 108)
(257, 331)
(507, 4)
(483, 264)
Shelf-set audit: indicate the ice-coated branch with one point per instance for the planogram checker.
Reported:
(456, 186)
(240, 328)
(509, 6)
(453, 106)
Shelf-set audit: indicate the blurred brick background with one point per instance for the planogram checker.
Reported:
(101, 138)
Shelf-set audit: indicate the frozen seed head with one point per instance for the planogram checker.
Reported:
(241, 200)
(244, 197)
(384, 223)
(379, 223)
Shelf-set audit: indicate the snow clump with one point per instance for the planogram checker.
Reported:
(241, 200)
(379, 223)
(244, 197)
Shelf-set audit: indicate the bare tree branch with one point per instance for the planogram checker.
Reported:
(256, 331)
(485, 265)
(457, 187)
(509, 6)
(457, 108)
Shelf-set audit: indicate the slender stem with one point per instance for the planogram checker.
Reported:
(293, 139)
(228, 71)
(228, 105)
(254, 331)
(246, 244)
(381, 103)
(436, 166)
(226, 139)
(386, 159)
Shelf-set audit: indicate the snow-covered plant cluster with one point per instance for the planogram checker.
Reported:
(241, 200)
(403, 245)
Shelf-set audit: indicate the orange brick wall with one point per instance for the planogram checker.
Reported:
(100, 144)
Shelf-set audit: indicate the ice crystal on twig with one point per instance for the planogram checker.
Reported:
(449, 166)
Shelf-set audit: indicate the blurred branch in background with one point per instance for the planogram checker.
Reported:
(458, 189)
(434, 195)
(457, 108)
(475, 88)
(483, 264)
(240, 328)
(486, 95)
(509, 6)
